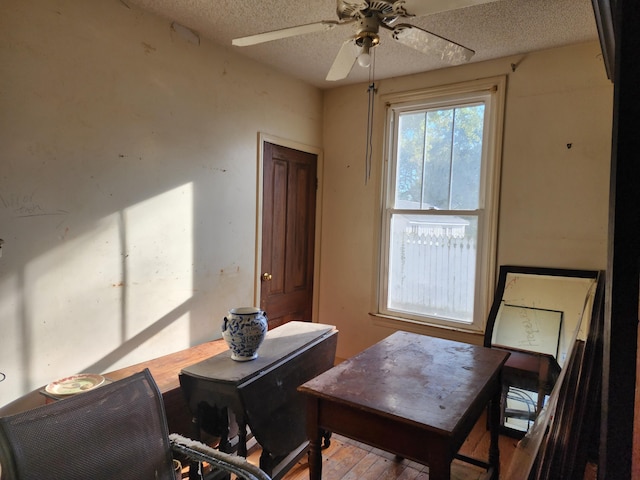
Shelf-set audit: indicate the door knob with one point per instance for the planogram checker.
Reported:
(266, 277)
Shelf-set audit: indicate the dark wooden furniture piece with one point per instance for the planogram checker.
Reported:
(535, 372)
(412, 395)
(261, 394)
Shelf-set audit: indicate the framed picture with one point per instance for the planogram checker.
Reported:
(525, 328)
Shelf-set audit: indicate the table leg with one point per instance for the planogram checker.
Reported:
(494, 430)
(194, 467)
(440, 470)
(315, 459)
(314, 433)
(242, 436)
(225, 444)
(326, 438)
(543, 382)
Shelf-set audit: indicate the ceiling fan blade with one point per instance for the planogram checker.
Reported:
(285, 33)
(429, 43)
(418, 8)
(344, 61)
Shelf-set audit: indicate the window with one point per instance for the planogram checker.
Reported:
(440, 204)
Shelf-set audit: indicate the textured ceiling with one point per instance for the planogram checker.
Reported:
(493, 30)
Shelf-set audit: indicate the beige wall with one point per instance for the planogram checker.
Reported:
(128, 185)
(554, 199)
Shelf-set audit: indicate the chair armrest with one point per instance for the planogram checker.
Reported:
(199, 452)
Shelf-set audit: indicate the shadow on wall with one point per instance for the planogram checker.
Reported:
(147, 334)
(119, 290)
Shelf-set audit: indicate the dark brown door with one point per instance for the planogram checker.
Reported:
(288, 233)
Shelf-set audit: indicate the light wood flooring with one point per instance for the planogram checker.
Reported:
(346, 459)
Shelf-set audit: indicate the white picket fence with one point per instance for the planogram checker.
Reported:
(433, 274)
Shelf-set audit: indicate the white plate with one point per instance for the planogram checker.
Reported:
(75, 384)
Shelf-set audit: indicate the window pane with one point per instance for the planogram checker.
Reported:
(432, 265)
(438, 159)
(467, 157)
(437, 169)
(410, 159)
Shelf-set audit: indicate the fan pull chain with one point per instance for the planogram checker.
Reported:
(371, 93)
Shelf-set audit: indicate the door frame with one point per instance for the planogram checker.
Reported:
(283, 142)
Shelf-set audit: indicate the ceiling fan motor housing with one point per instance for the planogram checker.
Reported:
(368, 29)
(354, 10)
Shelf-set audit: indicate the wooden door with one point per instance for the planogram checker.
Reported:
(288, 234)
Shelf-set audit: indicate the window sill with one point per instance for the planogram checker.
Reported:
(458, 334)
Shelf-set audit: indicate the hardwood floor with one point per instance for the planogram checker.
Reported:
(346, 459)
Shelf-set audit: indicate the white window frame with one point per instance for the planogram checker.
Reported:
(491, 91)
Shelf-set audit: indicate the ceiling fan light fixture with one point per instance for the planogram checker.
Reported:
(364, 58)
(366, 41)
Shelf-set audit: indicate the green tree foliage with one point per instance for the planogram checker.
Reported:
(439, 158)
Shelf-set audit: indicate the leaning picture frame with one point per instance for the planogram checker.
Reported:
(527, 328)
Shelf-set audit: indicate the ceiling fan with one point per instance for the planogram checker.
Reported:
(369, 16)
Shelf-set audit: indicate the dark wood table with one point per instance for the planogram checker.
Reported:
(532, 371)
(262, 393)
(413, 395)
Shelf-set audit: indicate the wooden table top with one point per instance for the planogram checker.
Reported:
(279, 344)
(530, 362)
(413, 378)
(164, 370)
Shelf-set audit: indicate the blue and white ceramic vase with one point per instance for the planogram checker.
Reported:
(244, 330)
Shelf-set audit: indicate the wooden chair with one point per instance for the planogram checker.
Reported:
(116, 431)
